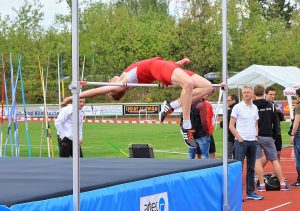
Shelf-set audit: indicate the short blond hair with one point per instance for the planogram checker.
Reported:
(247, 87)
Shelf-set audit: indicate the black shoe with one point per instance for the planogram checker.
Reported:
(296, 184)
(166, 109)
(188, 137)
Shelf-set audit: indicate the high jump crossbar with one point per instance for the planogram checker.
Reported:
(84, 83)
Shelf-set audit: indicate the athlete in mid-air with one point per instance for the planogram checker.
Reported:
(193, 86)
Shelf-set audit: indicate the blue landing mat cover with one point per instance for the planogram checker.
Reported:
(162, 185)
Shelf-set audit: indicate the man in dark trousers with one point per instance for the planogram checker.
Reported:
(244, 126)
(63, 124)
(295, 137)
(232, 100)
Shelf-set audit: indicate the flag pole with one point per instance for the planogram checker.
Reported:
(58, 81)
(25, 113)
(2, 101)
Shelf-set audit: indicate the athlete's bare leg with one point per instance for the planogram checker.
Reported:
(186, 83)
(193, 86)
(202, 87)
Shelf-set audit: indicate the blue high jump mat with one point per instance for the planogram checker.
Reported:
(109, 184)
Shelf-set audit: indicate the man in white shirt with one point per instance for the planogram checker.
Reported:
(64, 125)
(244, 126)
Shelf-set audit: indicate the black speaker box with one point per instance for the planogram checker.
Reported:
(141, 151)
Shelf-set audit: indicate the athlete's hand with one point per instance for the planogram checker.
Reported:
(222, 84)
(186, 60)
(183, 61)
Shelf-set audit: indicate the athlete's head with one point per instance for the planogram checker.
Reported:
(119, 93)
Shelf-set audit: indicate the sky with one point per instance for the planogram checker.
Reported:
(50, 8)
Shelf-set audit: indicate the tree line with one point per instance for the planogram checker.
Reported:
(113, 35)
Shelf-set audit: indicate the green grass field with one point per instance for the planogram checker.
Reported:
(165, 139)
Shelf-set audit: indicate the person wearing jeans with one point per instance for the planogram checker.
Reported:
(244, 126)
(201, 119)
(203, 143)
(243, 149)
(295, 137)
(297, 157)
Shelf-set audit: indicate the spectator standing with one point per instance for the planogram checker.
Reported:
(267, 133)
(232, 101)
(244, 126)
(64, 125)
(270, 96)
(201, 118)
(295, 137)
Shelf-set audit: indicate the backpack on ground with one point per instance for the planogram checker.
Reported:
(271, 182)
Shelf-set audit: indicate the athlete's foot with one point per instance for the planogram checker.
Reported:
(165, 110)
(188, 138)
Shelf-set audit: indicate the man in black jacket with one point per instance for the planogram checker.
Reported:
(201, 118)
(232, 100)
(267, 132)
(270, 96)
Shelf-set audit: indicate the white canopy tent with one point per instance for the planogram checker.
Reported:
(267, 76)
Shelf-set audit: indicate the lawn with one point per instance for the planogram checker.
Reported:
(165, 139)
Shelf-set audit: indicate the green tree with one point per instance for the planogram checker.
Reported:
(282, 9)
(200, 35)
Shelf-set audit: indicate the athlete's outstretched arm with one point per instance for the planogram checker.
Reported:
(93, 93)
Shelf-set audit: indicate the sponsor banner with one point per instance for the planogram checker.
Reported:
(116, 121)
(140, 109)
(289, 92)
(103, 110)
(34, 111)
(115, 110)
(285, 107)
(158, 202)
(53, 110)
(112, 121)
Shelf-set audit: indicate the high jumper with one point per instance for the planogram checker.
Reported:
(193, 87)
